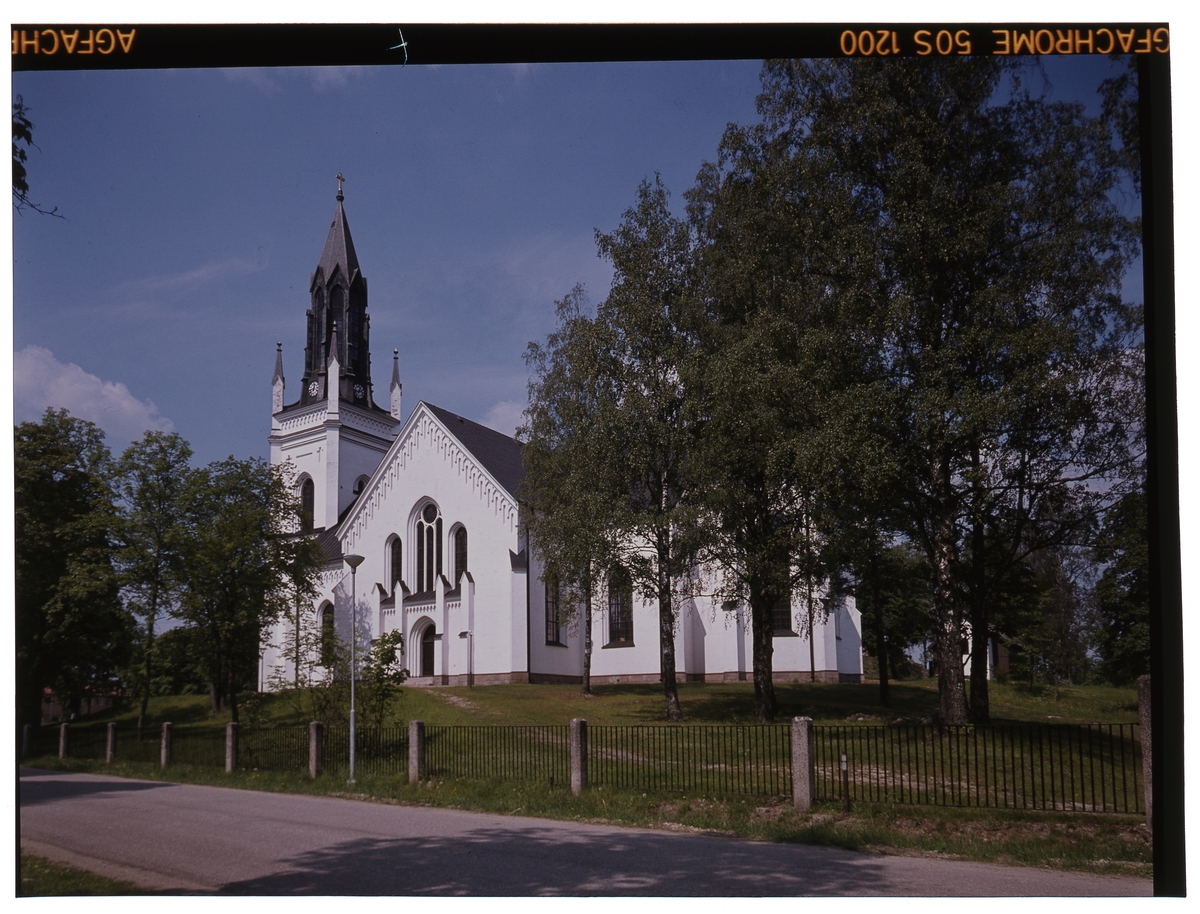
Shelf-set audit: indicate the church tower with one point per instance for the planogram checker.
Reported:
(334, 435)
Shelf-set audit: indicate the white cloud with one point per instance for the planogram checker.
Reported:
(325, 78)
(505, 416)
(41, 381)
(200, 276)
(255, 76)
(267, 80)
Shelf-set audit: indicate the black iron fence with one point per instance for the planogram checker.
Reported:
(1074, 767)
(1080, 767)
(696, 759)
(533, 754)
(377, 751)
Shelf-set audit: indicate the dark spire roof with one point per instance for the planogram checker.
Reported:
(395, 369)
(339, 248)
(499, 454)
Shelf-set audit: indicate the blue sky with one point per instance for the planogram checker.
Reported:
(197, 203)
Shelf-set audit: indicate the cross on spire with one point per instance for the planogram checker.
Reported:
(340, 179)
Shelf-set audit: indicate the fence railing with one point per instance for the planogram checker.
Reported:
(1084, 767)
(514, 753)
(1080, 767)
(698, 759)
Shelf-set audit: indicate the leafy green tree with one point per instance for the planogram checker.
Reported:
(644, 342)
(570, 496)
(72, 632)
(1122, 594)
(989, 240)
(240, 565)
(775, 345)
(382, 674)
(607, 441)
(150, 480)
(892, 593)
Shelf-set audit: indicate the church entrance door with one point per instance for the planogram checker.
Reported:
(427, 651)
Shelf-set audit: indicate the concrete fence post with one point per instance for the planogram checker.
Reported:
(1143, 687)
(579, 768)
(110, 744)
(316, 743)
(804, 772)
(164, 757)
(64, 740)
(231, 747)
(26, 739)
(416, 750)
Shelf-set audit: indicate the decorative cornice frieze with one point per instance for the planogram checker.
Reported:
(427, 431)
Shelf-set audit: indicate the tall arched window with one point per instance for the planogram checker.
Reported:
(620, 607)
(395, 562)
(460, 554)
(429, 547)
(328, 636)
(553, 627)
(337, 308)
(781, 615)
(307, 497)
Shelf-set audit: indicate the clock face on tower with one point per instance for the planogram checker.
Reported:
(313, 389)
(359, 393)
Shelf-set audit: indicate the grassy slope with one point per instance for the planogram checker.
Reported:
(643, 704)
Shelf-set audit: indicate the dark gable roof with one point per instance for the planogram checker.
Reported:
(499, 454)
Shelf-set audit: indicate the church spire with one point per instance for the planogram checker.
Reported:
(338, 323)
(339, 247)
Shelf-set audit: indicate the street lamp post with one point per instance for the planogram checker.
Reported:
(353, 561)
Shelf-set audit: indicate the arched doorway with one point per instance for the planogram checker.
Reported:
(427, 640)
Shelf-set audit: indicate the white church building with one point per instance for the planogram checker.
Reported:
(430, 503)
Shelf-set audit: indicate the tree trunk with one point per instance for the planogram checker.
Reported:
(980, 710)
(952, 705)
(666, 629)
(880, 633)
(586, 686)
(812, 637)
(761, 635)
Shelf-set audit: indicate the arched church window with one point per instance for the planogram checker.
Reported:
(460, 553)
(355, 319)
(429, 547)
(553, 626)
(328, 637)
(359, 485)
(315, 329)
(307, 497)
(620, 607)
(781, 615)
(395, 562)
(337, 306)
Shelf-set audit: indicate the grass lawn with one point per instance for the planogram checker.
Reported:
(643, 704)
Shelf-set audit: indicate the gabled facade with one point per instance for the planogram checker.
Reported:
(431, 507)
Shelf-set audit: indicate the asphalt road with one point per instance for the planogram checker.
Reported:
(180, 838)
